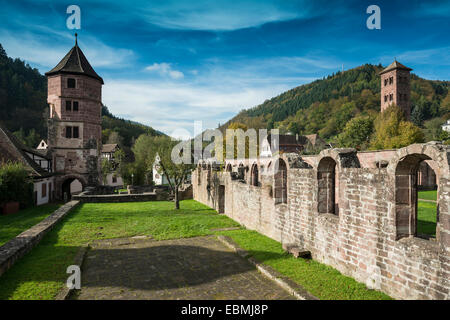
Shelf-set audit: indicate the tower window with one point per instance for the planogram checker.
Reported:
(71, 83)
(391, 97)
(72, 132)
(68, 105)
(391, 80)
(385, 82)
(385, 98)
(75, 106)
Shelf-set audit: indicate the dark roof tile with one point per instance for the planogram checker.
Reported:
(75, 62)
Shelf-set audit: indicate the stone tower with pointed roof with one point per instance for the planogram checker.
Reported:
(74, 126)
(395, 87)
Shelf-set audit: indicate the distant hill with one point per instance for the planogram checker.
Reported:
(326, 105)
(24, 109)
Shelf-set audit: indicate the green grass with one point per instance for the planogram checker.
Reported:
(428, 195)
(320, 280)
(426, 218)
(41, 273)
(14, 224)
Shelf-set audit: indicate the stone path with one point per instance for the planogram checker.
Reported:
(193, 268)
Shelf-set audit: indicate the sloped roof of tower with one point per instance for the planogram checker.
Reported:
(75, 62)
(395, 65)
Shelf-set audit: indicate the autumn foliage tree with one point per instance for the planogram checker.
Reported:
(392, 131)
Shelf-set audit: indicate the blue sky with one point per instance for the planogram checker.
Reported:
(167, 63)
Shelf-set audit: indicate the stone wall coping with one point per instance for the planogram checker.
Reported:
(17, 247)
(292, 287)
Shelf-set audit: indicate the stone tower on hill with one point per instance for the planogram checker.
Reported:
(396, 88)
(74, 126)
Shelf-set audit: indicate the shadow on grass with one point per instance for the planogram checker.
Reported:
(426, 229)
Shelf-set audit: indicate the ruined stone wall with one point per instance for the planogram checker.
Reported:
(362, 238)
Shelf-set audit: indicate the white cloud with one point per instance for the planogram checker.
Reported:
(45, 53)
(224, 15)
(165, 69)
(169, 106)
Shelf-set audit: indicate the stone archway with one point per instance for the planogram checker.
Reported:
(63, 186)
(404, 168)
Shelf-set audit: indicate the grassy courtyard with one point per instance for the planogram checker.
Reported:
(428, 195)
(426, 218)
(426, 213)
(14, 224)
(41, 273)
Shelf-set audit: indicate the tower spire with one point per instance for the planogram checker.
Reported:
(76, 39)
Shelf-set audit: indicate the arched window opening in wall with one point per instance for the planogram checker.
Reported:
(241, 172)
(328, 186)
(255, 175)
(416, 197)
(280, 181)
(229, 167)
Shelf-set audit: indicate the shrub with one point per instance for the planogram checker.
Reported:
(15, 184)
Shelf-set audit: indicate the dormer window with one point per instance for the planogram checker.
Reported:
(71, 83)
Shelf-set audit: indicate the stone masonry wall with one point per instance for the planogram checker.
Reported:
(360, 239)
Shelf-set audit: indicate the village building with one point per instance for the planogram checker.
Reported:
(74, 125)
(446, 126)
(36, 162)
(42, 145)
(113, 179)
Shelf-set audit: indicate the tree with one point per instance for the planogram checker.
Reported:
(147, 148)
(392, 131)
(115, 138)
(15, 184)
(357, 133)
(433, 129)
(107, 168)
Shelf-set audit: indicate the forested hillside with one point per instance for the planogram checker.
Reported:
(325, 106)
(24, 110)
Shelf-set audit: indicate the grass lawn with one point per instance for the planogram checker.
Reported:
(320, 280)
(14, 224)
(426, 218)
(41, 273)
(428, 195)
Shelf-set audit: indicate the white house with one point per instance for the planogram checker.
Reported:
(446, 126)
(42, 145)
(159, 178)
(112, 179)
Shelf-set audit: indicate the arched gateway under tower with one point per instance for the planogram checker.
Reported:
(74, 125)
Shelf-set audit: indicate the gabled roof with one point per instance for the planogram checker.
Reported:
(395, 65)
(112, 147)
(75, 62)
(19, 153)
